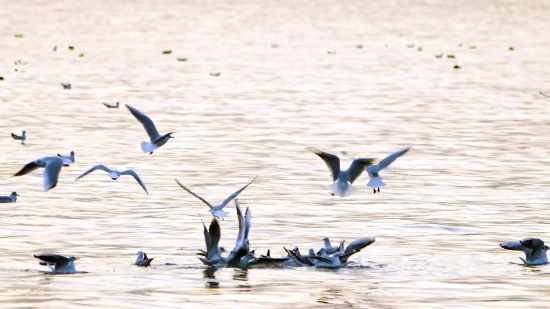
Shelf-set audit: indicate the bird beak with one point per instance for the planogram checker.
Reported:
(224, 250)
(17, 194)
(77, 258)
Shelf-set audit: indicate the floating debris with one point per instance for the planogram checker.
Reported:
(460, 45)
(182, 59)
(167, 52)
(71, 47)
(419, 48)
(215, 74)
(510, 48)
(456, 67)
(1, 78)
(19, 36)
(439, 56)
(472, 47)
(55, 48)
(451, 56)
(274, 45)
(331, 52)
(81, 55)
(410, 46)
(359, 46)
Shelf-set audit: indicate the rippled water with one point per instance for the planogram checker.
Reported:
(476, 175)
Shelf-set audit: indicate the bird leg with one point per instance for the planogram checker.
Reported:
(374, 190)
(332, 194)
(151, 153)
(378, 190)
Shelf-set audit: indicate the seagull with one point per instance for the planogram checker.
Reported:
(242, 245)
(266, 261)
(324, 261)
(355, 247)
(156, 139)
(22, 137)
(328, 247)
(534, 249)
(213, 255)
(58, 263)
(375, 181)
(52, 167)
(142, 259)
(66, 86)
(343, 180)
(215, 74)
(548, 96)
(111, 105)
(217, 211)
(68, 160)
(9, 199)
(114, 174)
(297, 258)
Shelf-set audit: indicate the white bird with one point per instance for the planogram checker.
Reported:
(548, 96)
(342, 180)
(375, 181)
(68, 160)
(157, 140)
(142, 259)
(217, 211)
(111, 105)
(242, 245)
(66, 86)
(22, 137)
(324, 261)
(328, 247)
(213, 255)
(9, 199)
(114, 174)
(58, 263)
(52, 167)
(355, 247)
(534, 249)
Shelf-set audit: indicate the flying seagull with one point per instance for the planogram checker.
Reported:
(58, 263)
(68, 160)
(156, 139)
(9, 199)
(217, 211)
(375, 181)
(114, 174)
(534, 249)
(342, 180)
(22, 137)
(142, 259)
(52, 167)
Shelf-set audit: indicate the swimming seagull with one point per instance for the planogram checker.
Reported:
(375, 181)
(114, 174)
(328, 247)
(111, 105)
(58, 263)
(342, 180)
(534, 249)
(142, 259)
(156, 139)
(9, 199)
(66, 86)
(242, 245)
(52, 167)
(22, 137)
(217, 211)
(548, 96)
(68, 160)
(334, 261)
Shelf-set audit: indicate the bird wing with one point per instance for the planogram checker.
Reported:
(332, 162)
(358, 245)
(234, 195)
(248, 222)
(357, 167)
(130, 172)
(517, 246)
(146, 122)
(52, 258)
(200, 198)
(536, 245)
(27, 169)
(97, 167)
(545, 95)
(207, 239)
(214, 234)
(389, 159)
(51, 172)
(242, 227)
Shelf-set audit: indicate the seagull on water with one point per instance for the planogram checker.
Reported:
(213, 255)
(343, 180)
(335, 261)
(534, 249)
(217, 211)
(111, 105)
(22, 137)
(328, 247)
(52, 167)
(157, 140)
(142, 259)
(58, 263)
(66, 86)
(68, 160)
(114, 174)
(375, 181)
(9, 199)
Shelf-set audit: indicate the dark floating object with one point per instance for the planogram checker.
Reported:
(81, 55)
(19, 36)
(215, 74)
(510, 48)
(331, 52)
(359, 46)
(460, 45)
(55, 48)
(439, 56)
(274, 45)
(410, 46)
(182, 59)
(71, 47)
(66, 86)
(456, 67)
(1, 79)
(451, 56)
(167, 52)
(419, 48)
(472, 47)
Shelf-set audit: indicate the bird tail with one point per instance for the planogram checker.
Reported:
(375, 182)
(148, 147)
(342, 189)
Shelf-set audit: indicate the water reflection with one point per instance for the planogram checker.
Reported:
(209, 273)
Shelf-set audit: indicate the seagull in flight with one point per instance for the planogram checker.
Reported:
(52, 167)
(342, 180)
(217, 211)
(68, 160)
(58, 263)
(534, 249)
(22, 137)
(375, 181)
(157, 140)
(114, 174)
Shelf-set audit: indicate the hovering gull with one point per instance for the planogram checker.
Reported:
(534, 249)
(52, 167)
(156, 139)
(111, 105)
(58, 263)
(328, 247)
(545, 95)
(375, 181)
(22, 138)
(242, 245)
(66, 86)
(9, 199)
(142, 259)
(213, 256)
(68, 160)
(217, 211)
(343, 180)
(114, 174)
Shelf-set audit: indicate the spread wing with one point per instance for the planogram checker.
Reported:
(536, 245)
(357, 167)
(215, 234)
(200, 198)
(391, 158)
(234, 195)
(27, 169)
(97, 167)
(52, 258)
(332, 162)
(358, 245)
(146, 122)
(545, 95)
(136, 177)
(242, 227)
(51, 172)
